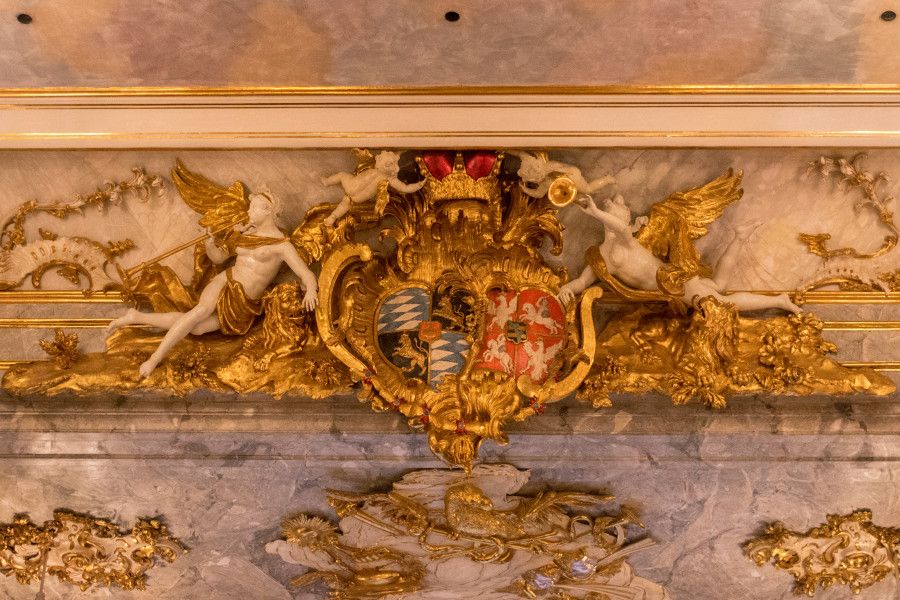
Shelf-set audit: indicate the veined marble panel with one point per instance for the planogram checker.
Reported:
(571, 42)
(702, 490)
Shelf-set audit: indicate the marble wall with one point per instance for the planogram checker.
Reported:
(378, 43)
(704, 482)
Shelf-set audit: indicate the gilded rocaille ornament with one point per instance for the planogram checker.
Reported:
(846, 549)
(85, 551)
(62, 349)
(453, 317)
(439, 532)
(72, 257)
(849, 268)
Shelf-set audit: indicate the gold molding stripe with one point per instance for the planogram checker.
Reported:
(862, 326)
(96, 323)
(487, 90)
(77, 297)
(872, 364)
(356, 135)
(59, 297)
(42, 323)
(877, 365)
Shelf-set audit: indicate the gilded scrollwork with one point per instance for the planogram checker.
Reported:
(438, 532)
(847, 549)
(85, 551)
(76, 256)
(849, 268)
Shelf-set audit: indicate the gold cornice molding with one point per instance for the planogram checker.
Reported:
(454, 90)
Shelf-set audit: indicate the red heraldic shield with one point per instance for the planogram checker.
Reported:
(524, 331)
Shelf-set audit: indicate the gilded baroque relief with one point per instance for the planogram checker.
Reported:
(455, 319)
(847, 267)
(85, 551)
(846, 549)
(441, 531)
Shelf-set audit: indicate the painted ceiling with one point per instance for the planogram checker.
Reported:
(411, 43)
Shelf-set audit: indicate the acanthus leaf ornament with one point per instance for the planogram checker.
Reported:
(846, 549)
(85, 551)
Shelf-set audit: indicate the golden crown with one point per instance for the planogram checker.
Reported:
(472, 176)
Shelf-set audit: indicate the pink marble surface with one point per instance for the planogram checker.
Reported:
(408, 42)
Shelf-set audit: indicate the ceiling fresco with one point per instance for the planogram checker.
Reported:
(411, 43)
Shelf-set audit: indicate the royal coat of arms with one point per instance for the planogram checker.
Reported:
(458, 327)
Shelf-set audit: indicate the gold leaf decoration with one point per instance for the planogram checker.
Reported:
(847, 549)
(85, 551)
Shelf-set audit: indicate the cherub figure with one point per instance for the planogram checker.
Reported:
(537, 172)
(661, 257)
(232, 299)
(371, 180)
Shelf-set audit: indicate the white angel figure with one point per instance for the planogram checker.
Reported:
(539, 314)
(503, 310)
(539, 357)
(537, 172)
(372, 178)
(231, 301)
(661, 257)
(496, 350)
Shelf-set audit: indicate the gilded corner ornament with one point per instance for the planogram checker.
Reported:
(440, 531)
(85, 551)
(847, 549)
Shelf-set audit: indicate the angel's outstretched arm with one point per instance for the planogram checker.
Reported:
(608, 219)
(216, 253)
(406, 188)
(307, 278)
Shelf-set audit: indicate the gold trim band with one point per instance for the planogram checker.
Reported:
(77, 297)
(41, 323)
(490, 90)
(59, 297)
(862, 326)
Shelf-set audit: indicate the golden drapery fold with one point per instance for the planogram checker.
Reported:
(236, 310)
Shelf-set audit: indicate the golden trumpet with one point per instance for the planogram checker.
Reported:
(563, 192)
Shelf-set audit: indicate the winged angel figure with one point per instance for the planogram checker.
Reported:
(661, 256)
(239, 224)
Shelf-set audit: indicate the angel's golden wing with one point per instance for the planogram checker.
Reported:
(364, 160)
(221, 207)
(682, 218)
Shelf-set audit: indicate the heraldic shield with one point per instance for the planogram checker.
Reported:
(453, 321)
(524, 332)
(425, 343)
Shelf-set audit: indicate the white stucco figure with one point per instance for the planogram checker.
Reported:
(627, 259)
(537, 172)
(368, 183)
(231, 300)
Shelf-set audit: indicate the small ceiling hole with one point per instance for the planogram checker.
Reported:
(888, 15)
(24, 18)
(452, 16)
